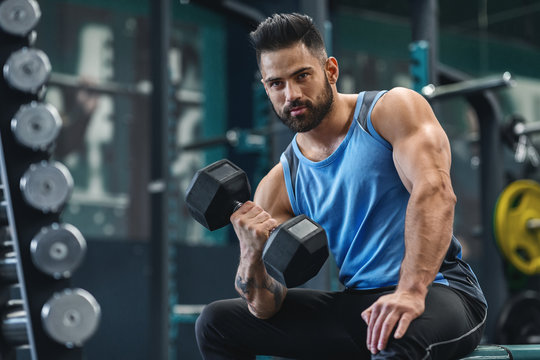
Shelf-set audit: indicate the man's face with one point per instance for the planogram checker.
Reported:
(297, 86)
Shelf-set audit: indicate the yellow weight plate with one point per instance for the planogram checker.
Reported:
(518, 203)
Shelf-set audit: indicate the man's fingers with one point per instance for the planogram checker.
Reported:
(381, 328)
(251, 212)
(403, 325)
(261, 216)
(376, 331)
(366, 314)
(389, 312)
(374, 313)
(381, 321)
(386, 329)
(245, 208)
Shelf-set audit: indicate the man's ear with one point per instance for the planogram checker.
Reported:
(264, 85)
(332, 69)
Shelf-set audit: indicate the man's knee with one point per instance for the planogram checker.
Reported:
(208, 321)
(417, 347)
(219, 332)
(219, 318)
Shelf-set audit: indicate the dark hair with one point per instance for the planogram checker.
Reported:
(280, 31)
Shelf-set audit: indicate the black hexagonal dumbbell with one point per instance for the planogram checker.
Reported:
(295, 250)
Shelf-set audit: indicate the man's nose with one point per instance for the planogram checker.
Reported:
(292, 92)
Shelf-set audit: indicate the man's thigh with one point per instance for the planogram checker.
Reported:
(326, 325)
(450, 327)
(310, 325)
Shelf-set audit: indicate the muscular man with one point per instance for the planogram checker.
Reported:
(373, 170)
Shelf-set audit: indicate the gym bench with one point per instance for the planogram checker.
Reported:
(511, 352)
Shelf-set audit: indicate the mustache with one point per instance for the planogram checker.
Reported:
(297, 103)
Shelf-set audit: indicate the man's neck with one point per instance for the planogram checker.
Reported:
(321, 142)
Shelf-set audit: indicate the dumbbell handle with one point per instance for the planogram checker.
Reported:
(237, 204)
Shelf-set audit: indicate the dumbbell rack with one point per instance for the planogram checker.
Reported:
(35, 288)
(39, 310)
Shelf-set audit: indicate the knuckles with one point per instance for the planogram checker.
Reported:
(253, 219)
(260, 232)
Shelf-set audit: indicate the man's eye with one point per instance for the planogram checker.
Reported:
(275, 83)
(303, 75)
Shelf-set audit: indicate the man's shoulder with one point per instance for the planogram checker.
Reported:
(399, 96)
(273, 179)
(398, 103)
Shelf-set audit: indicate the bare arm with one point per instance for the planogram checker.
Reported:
(422, 158)
(263, 294)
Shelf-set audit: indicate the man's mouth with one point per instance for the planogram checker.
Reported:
(298, 110)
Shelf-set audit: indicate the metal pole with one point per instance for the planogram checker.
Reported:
(467, 87)
(159, 309)
(318, 10)
(491, 184)
(425, 26)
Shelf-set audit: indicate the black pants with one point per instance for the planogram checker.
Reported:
(327, 325)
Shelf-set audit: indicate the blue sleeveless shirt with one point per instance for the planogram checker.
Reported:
(357, 196)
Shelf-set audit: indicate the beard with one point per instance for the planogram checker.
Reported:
(314, 114)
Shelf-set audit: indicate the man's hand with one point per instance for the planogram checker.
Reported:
(252, 226)
(263, 294)
(399, 308)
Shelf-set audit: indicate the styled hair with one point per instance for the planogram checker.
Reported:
(281, 31)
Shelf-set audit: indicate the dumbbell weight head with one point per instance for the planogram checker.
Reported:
(19, 17)
(27, 70)
(214, 193)
(46, 186)
(71, 317)
(58, 250)
(295, 251)
(36, 125)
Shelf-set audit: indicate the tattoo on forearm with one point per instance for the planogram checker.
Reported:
(275, 288)
(246, 285)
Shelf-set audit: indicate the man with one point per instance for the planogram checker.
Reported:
(373, 170)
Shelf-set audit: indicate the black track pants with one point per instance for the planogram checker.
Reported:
(327, 325)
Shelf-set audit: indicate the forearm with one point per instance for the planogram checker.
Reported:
(428, 232)
(263, 294)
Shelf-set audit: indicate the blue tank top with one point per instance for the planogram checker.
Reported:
(357, 196)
